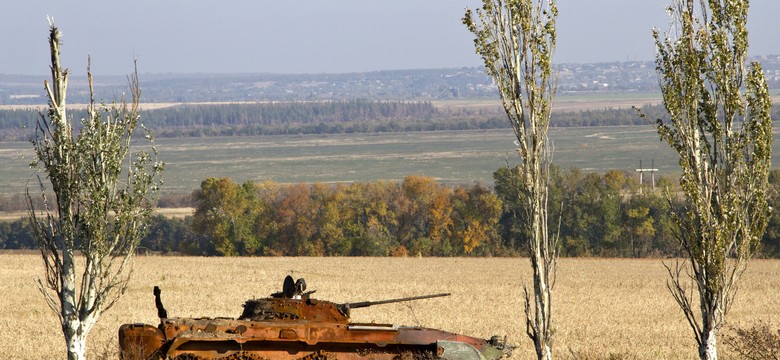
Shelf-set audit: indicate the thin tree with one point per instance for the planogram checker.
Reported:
(102, 201)
(720, 126)
(516, 39)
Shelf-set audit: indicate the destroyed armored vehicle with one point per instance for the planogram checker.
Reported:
(292, 325)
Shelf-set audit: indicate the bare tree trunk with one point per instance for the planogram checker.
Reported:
(76, 340)
(68, 316)
(708, 347)
(542, 257)
(76, 324)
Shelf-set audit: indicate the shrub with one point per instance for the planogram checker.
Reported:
(758, 342)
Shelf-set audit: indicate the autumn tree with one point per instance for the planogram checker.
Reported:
(475, 216)
(440, 228)
(423, 213)
(720, 125)
(102, 202)
(516, 39)
(295, 215)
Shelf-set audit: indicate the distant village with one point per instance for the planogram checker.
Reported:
(425, 84)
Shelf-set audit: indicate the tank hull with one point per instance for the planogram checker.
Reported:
(292, 325)
(239, 339)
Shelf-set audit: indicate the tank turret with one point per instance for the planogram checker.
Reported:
(294, 303)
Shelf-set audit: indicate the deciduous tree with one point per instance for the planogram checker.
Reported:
(476, 212)
(224, 213)
(102, 203)
(516, 39)
(720, 125)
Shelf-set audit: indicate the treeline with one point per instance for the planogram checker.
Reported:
(608, 215)
(416, 216)
(608, 117)
(331, 117)
(270, 113)
(314, 117)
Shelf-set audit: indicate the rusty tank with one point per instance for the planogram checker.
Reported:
(291, 324)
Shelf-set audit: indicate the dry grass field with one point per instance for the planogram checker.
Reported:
(604, 307)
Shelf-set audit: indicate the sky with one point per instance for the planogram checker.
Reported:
(306, 36)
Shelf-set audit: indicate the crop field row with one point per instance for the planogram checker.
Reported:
(602, 307)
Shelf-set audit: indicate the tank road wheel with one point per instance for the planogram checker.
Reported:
(188, 357)
(319, 355)
(234, 356)
(415, 355)
(242, 356)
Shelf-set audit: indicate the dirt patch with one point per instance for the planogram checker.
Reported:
(173, 213)
(12, 215)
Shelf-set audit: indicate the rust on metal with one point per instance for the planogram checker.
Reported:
(292, 325)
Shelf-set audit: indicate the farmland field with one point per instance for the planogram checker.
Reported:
(603, 307)
(449, 156)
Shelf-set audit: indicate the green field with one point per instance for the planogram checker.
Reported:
(452, 157)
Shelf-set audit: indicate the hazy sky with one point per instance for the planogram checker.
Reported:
(331, 36)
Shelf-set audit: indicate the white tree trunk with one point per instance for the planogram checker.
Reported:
(75, 323)
(76, 331)
(708, 347)
(76, 341)
(68, 314)
(546, 352)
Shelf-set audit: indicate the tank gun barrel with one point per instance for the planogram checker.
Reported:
(363, 304)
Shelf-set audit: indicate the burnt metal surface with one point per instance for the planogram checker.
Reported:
(292, 325)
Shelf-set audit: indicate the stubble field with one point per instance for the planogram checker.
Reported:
(603, 307)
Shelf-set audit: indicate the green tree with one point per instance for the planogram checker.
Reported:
(640, 230)
(175, 235)
(596, 206)
(372, 223)
(102, 203)
(720, 125)
(224, 213)
(648, 225)
(505, 186)
(329, 220)
(771, 240)
(516, 39)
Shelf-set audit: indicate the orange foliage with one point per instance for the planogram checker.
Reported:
(417, 216)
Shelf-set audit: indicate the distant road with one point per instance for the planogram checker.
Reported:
(566, 103)
(573, 103)
(143, 106)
